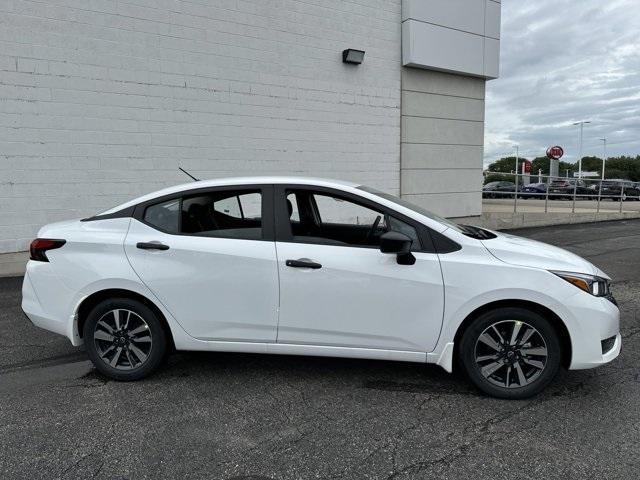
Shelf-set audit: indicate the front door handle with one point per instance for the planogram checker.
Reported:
(152, 246)
(303, 264)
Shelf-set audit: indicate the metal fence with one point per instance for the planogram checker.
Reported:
(583, 194)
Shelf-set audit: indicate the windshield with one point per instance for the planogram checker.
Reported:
(403, 203)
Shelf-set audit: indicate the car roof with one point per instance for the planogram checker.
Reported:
(438, 225)
(230, 181)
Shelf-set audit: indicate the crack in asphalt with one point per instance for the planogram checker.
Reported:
(73, 357)
(608, 252)
(464, 448)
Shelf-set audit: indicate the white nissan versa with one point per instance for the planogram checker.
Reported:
(316, 267)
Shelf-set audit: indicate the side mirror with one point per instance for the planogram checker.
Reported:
(399, 244)
(395, 242)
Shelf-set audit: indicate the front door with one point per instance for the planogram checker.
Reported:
(338, 289)
(210, 259)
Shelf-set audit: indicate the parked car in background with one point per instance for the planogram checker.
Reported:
(289, 265)
(498, 190)
(565, 188)
(533, 190)
(616, 188)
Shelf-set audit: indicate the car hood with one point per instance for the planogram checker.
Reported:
(530, 253)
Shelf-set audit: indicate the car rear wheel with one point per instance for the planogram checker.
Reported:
(510, 353)
(124, 339)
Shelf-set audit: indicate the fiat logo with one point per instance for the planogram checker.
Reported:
(555, 152)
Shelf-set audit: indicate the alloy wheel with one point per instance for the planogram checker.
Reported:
(122, 339)
(511, 354)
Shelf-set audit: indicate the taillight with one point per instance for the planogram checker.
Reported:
(40, 246)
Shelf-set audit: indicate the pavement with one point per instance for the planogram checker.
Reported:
(236, 416)
(505, 205)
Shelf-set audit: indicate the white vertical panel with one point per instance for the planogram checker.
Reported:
(492, 19)
(443, 48)
(449, 35)
(491, 58)
(465, 15)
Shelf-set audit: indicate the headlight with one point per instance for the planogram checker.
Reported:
(596, 286)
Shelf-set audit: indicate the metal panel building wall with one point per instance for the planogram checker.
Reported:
(450, 48)
(458, 36)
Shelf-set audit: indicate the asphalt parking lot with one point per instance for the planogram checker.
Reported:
(232, 416)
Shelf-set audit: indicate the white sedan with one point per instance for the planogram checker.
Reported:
(287, 265)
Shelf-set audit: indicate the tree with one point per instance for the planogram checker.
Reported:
(616, 167)
(564, 166)
(540, 163)
(626, 167)
(544, 164)
(506, 165)
(497, 177)
(591, 164)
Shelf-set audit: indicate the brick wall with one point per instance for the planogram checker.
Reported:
(101, 101)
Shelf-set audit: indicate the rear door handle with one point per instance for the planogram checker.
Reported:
(303, 264)
(152, 246)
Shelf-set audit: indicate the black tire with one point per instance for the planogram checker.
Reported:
(539, 379)
(126, 366)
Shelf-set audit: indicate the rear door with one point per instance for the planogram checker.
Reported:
(209, 256)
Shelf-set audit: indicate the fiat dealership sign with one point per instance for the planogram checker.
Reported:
(555, 153)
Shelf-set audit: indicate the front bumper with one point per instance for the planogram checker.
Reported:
(597, 319)
(603, 359)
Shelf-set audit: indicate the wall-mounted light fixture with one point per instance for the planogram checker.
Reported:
(352, 56)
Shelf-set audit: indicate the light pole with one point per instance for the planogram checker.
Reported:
(581, 123)
(515, 177)
(604, 158)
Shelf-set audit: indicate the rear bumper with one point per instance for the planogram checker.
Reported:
(33, 310)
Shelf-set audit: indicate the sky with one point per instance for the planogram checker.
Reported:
(563, 61)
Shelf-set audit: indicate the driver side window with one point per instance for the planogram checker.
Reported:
(323, 218)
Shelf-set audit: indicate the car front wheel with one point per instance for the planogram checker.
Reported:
(124, 339)
(510, 353)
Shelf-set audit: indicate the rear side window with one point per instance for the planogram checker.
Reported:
(223, 214)
(244, 206)
(164, 216)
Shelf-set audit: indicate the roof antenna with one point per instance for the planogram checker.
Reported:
(184, 171)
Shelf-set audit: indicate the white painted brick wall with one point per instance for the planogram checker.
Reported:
(101, 101)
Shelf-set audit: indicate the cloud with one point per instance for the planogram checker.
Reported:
(563, 61)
